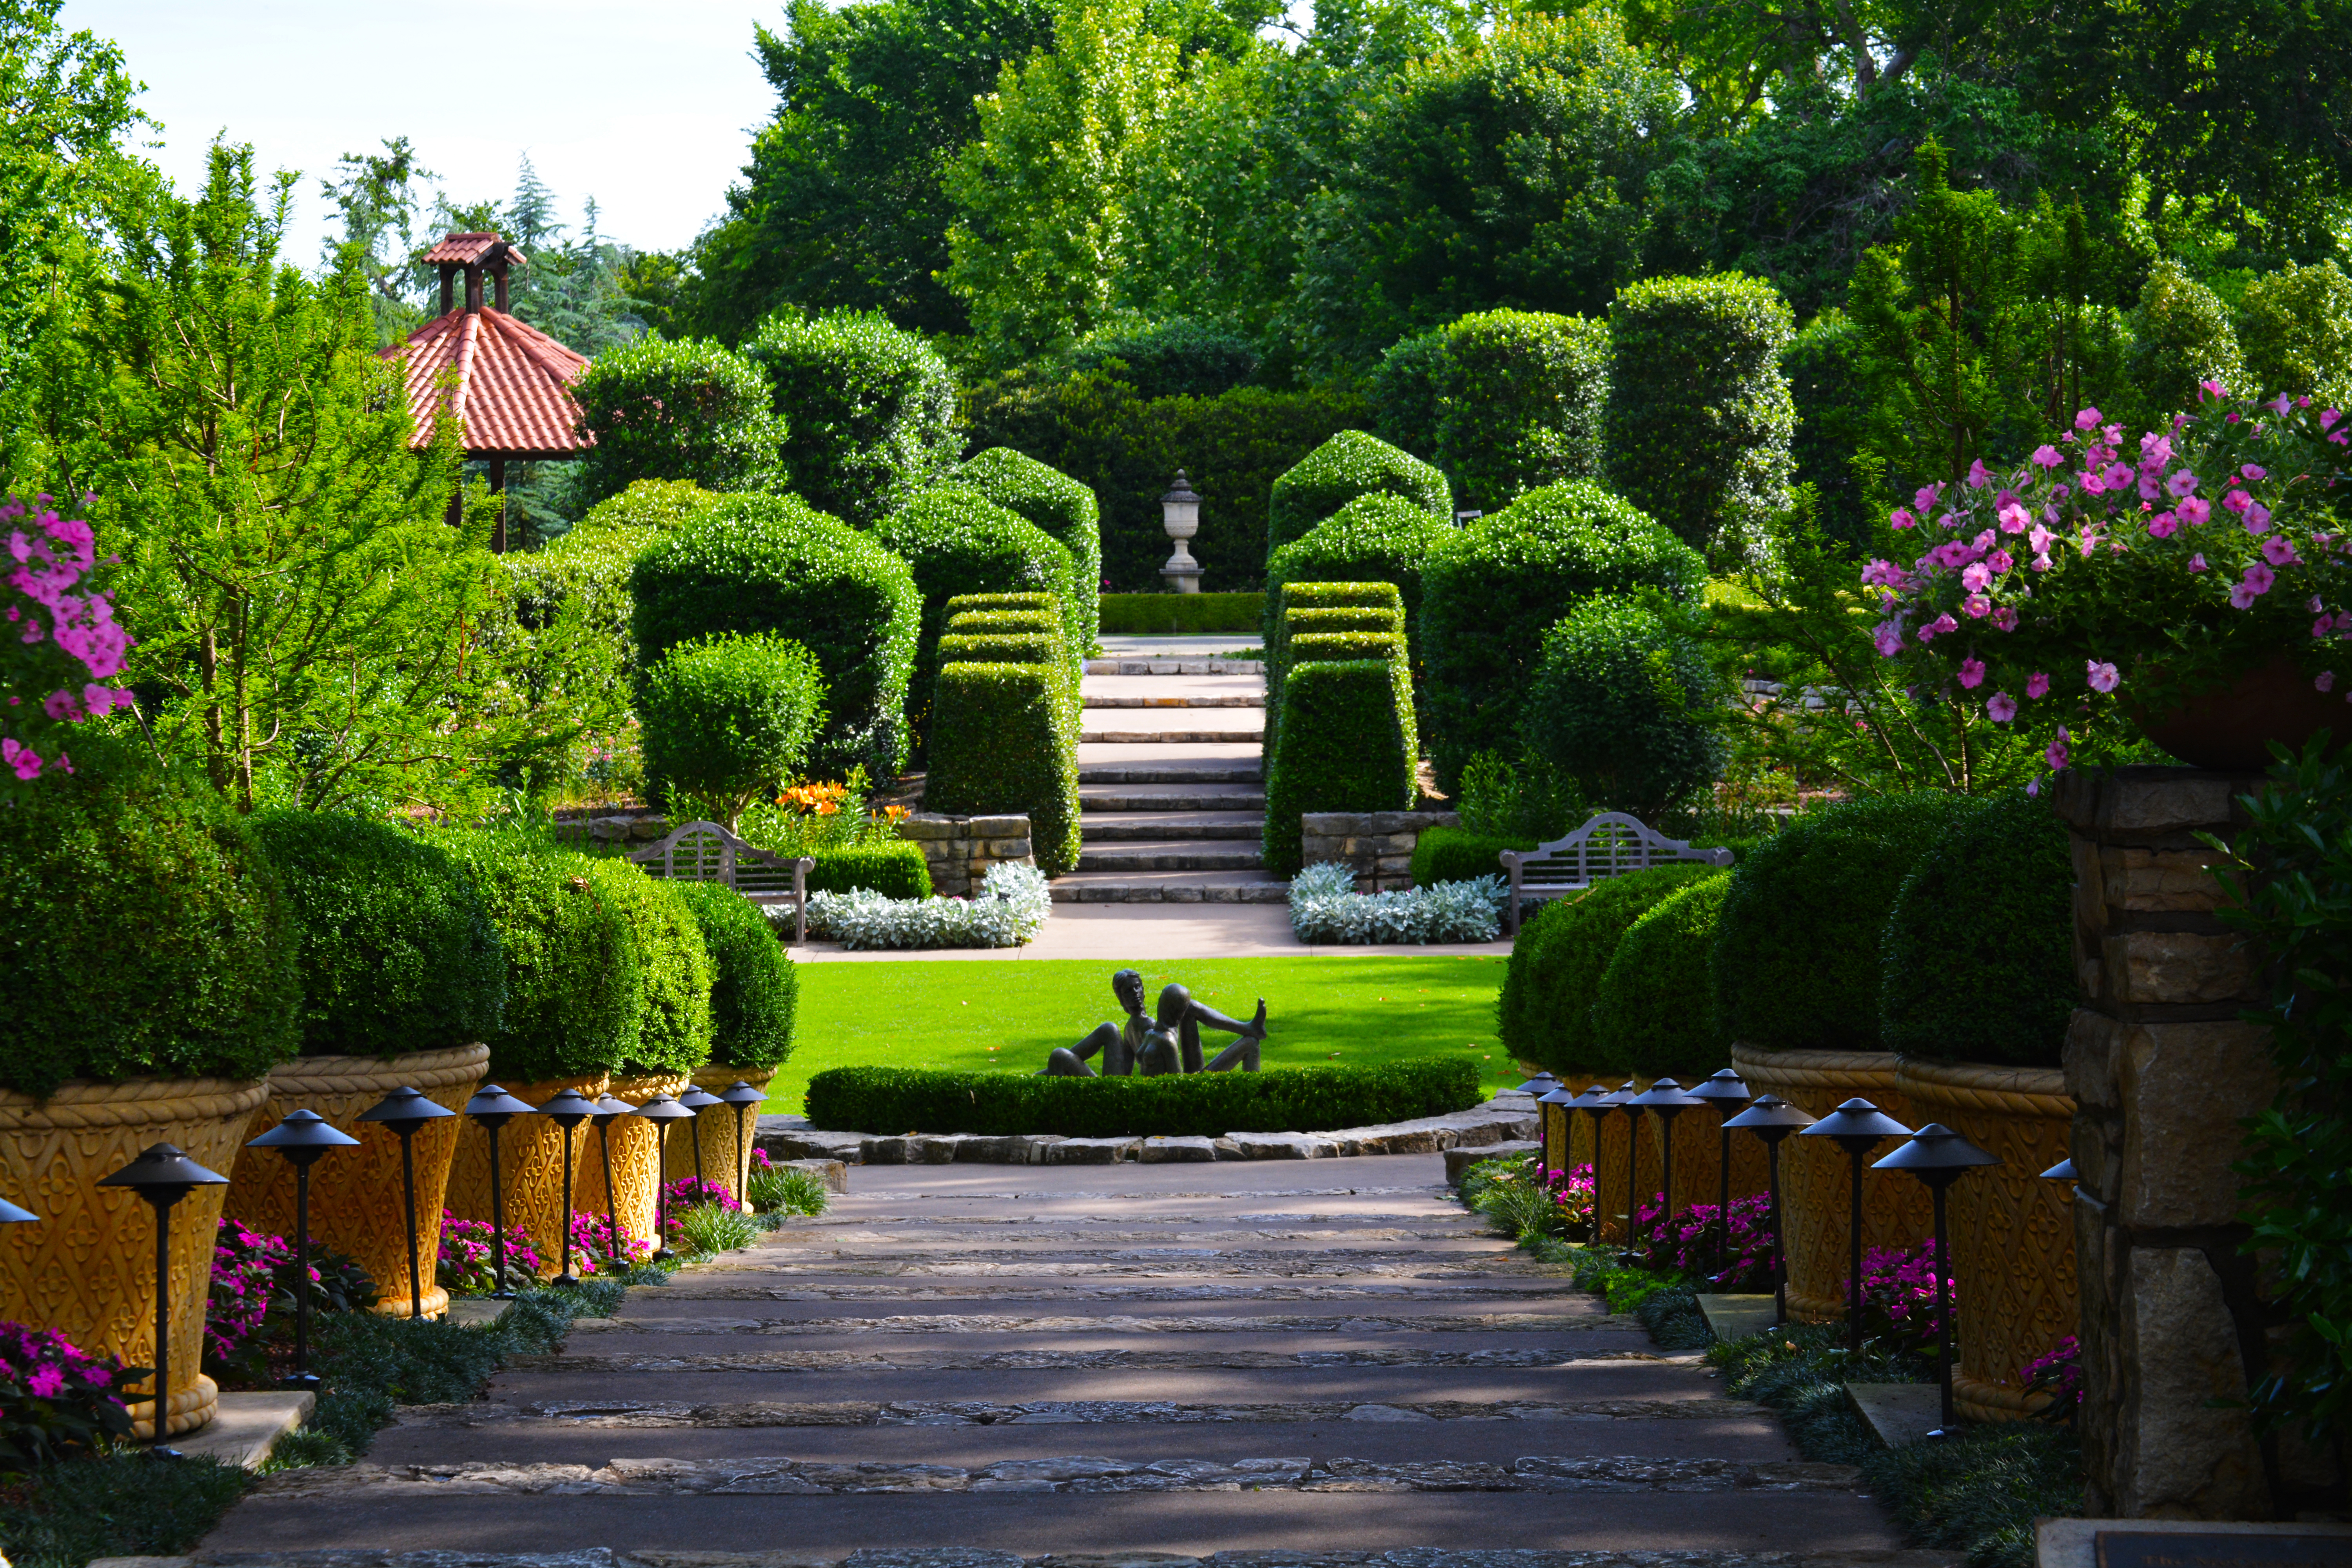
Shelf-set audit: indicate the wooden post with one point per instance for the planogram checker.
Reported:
(498, 488)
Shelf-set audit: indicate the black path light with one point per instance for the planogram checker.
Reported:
(610, 1109)
(2064, 1170)
(11, 1214)
(1666, 1099)
(1939, 1156)
(1857, 1127)
(304, 1138)
(1726, 1091)
(1600, 1106)
(1772, 1118)
(1543, 1083)
(1629, 1100)
(568, 1110)
(694, 1098)
(403, 1112)
(491, 1109)
(661, 1111)
(743, 1097)
(163, 1175)
(1549, 1108)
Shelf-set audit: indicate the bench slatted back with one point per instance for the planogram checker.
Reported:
(707, 852)
(1611, 845)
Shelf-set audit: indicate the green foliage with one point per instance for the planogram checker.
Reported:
(1003, 648)
(1005, 740)
(1346, 741)
(2180, 335)
(1044, 621)
(1503, 401)
(1620, 705)
(1525, 798)
(755, 989)
(1055, 502)
(709, 1230)
(1544, 1012)
(1350, 464)
(1162, 614)
(895, 869)
(1376, 538)
(1457, 854)
(690, 411)
(672, 969)
(123, 1504)
(2297, 330)
(1977, 964)
(1488, 596)
(785, 1189)
(1984, 1491)
(1823, 366)
(770, 564)
(1796, 963)
(1654, 1003)
(143, 931)
(1175, 358)
(1376, 630)
(647, 508)
(870, 410)
(1699, 412)
(576, 997)
(1174, 1105)
(395, 951)
(730, 717)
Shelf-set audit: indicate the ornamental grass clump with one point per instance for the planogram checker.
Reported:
(707, 1229)
(783, 1189)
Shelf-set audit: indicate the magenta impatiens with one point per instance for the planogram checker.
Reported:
(67, 643)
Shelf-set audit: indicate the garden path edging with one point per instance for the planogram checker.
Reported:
(1507, 1118)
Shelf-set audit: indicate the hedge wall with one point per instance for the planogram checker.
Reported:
(1544, 1013)
(869, 409)
(891, 1101)
(1458, 854)
(1700, 416)
(1619, 704)
(1350, 464)
(1177, 615)
(897, 869)
(755, 989)
(1004, 739)
(1011, 622)
(770, 564)
(1653, 1004)
(1367, 638)
(1503, 401)
(1490, 594)
(1060, 505)
(1797, 947)
(1346, 744)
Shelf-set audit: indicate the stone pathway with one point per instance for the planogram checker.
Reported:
(966, 1367)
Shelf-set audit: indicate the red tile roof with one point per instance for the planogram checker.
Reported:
(465, 250)
(513, 384)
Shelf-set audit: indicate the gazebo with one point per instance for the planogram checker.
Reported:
(513, 382)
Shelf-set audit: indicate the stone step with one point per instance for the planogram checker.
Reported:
(1256, 736)
(1163, 854)
(1250, 887)
(1175, 771)
(1169, 798)
(1133, 665)
(1146, 826)
(1195, 700)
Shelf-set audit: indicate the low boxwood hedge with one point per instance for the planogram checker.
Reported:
(1346, 744)
(1384, 620)
(1456, 855)
(672, 968)
(1544, 1013)
(897, 869)
(1004, 739)
(1173, 614)
(892, 1100)
(1001, 648)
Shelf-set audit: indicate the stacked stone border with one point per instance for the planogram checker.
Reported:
(961, 849)
(1378, 845)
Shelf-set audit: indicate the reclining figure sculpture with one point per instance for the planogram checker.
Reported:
(1167, 1042)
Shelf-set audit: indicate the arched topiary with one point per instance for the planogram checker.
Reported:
(1619, 705)
(870, 409)
(1545, 1009)
(687, 410)
(672, 969)
(729, 718)
(770, 564)
(1796, 959)
(1502, 401)
(1174, 358)
(755, 989)
(1377, 538)
(656, 506)
(1979, 959)
(1653, 1003)
(1488, 596)
(1051, 499)
(397, 951)
(142, 931)
(1350, 464)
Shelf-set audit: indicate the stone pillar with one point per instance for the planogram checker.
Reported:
(2161, 1071)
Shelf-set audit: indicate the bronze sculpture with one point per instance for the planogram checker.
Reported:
(1167, 1042)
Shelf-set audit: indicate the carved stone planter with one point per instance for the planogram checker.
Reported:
(2012, 1234)
(355, 1194)
(716, 1127)
(635, 1179)
(87, 1269)
(530, 1168)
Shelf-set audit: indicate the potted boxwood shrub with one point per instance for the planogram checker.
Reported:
(1794, 972)
(401, 982)
(1976, 986)
(147, 975)
(754, 1000)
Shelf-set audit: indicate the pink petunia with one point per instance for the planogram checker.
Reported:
(2163, 525)
(2279, 550)
(1977, 606)
(2194, 511)
(1888, 639)
(2255, 470)
(2002, 561)
(2037, 686)
(1977, 477)
(2047, 457)
(1972, 673)
(2055, 752)
(2087, 419)
(2005, 617)
(2237, 501)
(2013, 518)
(2325, 681)
(23, 759)
(1923, 498)
(60, 705)
(2101, 674)
(1901, 518)
(2117, 475)
(2197, 561)
(1976, 577)
(2000, 707)
(2182, 483)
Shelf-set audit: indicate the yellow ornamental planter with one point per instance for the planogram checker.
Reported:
(1698, 1158)
(530, 1168)
(355, 1194)
(715, 1129)
(635, 1178)
(1816, 1178)
(87, 1269)
(2011, 1233)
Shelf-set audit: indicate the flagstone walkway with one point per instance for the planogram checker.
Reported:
(1323, 1362)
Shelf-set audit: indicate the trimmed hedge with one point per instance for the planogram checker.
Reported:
(1458, 854)
(1978, 962)
(1700, 416)
(1544, 1013)
(672, 968)
(895, 870)
(2296, 329)
(1054, 501)
(1179, 615)
(1490, 594)
(1002, 648)
(771, 563)
(1350, 464)
(1346, 744)
(870, 410)
(2180, 335)
(1653, 1004)
(1619, 705)
(143, 931)
(689, 410)
(1797, 948)
(395, 950)
(1044, 623)
(1373, 539)
(1004, 739)
(1503, 401)
(1324, 596)
(755, 989)
(730, 717)
(1175, 1105)
(653, 505)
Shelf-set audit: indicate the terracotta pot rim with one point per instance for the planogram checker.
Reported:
(92, 1102)
(1986, 1086)
(427, 1070)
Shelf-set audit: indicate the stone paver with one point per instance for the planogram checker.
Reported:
(1080, 1366)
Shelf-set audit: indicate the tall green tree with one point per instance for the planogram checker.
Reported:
(374, 194)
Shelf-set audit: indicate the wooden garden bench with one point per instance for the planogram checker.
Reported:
(707, 852)
(1611, 845)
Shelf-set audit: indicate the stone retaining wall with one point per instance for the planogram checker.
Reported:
(961, 849)
(1378, 844)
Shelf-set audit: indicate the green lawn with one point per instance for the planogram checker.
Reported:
(981, 1015)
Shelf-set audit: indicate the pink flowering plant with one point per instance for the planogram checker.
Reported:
(2057, 1372)
(245, 1264)
(2105, 577)
(598, 1248)
(59, 642)
(1689, 1243)
(469, 1262)
(1898, 1297)
(54, 1400)
(1571, 1202)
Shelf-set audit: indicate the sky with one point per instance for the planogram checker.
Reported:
(649, 109)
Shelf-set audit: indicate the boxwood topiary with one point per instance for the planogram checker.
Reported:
(1653, 1004)
(673, 971)
(1346, 743)
(142, 931)
(654, 506)
(728, 717)
(897, 870)
(1796, 959)
(984, 622)
(1978, 962)
(1055, 502)
(1503, 401)
(1350, 464)
(397, 952)
(1620, 705)
(1490, 594)
(770, 564)
(1379, 538)
(689, 410)
(1545, 1009)
(1458, 854)
(869, 408)
(1002, 648)
(755, 989)
(1004, 739)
